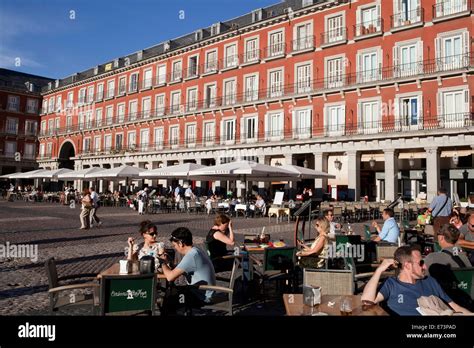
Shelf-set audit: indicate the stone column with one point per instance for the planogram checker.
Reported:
(353, 164)
(432, 172)
(198, 182)
(292, 185)
(261, 184)
(391, 174)
(320, 164)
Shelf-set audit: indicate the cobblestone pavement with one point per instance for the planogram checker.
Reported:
(55, 230)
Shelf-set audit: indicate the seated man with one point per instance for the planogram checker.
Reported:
(259, 205)
(329, 215)
(402, 292)
(466, 237)
(195, 266)
(390, 231)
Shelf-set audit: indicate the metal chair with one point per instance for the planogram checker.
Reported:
(55, 289)
(332, 282)
(385, 251)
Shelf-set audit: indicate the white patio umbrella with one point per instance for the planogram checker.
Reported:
(79, 174)
(178, 171)
(307, 173)
(50, 174)
(122, 172)
(25, 175)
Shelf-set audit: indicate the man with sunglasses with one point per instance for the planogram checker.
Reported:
(195, 266)
(329, 215)
(466, 237)
(402, 292)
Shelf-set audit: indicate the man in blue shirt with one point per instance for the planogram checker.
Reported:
(390, 231)
(440, 209)
(402, 292)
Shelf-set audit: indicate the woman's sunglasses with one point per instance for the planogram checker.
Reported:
(152, 234)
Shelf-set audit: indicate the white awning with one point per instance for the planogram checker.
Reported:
(459, 153)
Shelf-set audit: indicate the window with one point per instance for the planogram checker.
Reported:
(409, 112)
(209, 132)
(120, 113)
(229, 92)
(57, 123)
(49, 149)
(97, 144)
(122, 85)
(176, 73)
(132, 110)
(12, 125)
(10, 148)
(44, 108)
(90, 94)
(58, 103)
(144, 139)
(368, 20)
(118, 142)
(159, 138)
(453, 106)
(276, 44)
(231, 60)
(192, 99)
(276, 83)
(335, 120)
(132, 140)
(147, 78)
(211, 62)
(110, 89)
(450, 7)
(274, 126)
(68, 123)
(51, 104)
(251, 88)
(161, 75)
(32, 106)
(70, 100)
(108, 142)
(43, 127)
(228, 131)
(210, 96)
(304, 38)
(406, 12)
(98, 118)
(175, 101)
(252, 53)
(100, 92)
(82, 96)
(50, 126)
(256, 15)
(192, 66)
(133, 84)
(30, 127)
(369, 117)
(109, 115)
(88, 120)
(335, 29)
(41, 152)
(249, 129)
(160, 104)
(408, 59)
(191, 135)
(369, 67)
(452, 51)
(29, 152)
(86, 145)
(335, 72)
(146, 107)
(303, 78)
(174, 136)
(302, 123)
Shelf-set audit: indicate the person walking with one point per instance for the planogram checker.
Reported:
(142, 201)
(440, 209)
(95, 205)
(85, 209)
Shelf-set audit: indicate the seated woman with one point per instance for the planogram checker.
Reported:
(455, 219)
(149, 247)
(315, 256)
(219, 237)
(423, 217)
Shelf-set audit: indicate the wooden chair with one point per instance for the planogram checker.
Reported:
(55, 289)
(332, 282)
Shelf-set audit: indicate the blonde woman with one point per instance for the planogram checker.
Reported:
(315, 256)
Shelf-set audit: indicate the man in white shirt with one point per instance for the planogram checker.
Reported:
(95, 205)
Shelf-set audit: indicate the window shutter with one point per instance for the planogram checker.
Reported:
(466, 47)
(379, 17)
(243, 133)
(294, 124)
(310, 124)
(466, 101)
(438, 53)
(396, 60)
(439, 103)
(396, 9)
(420, 112)
(359, 116)
(282, 124)
(342, 126)
(266, 122)
(380, 60)
(418, 10)
(419, 51)
(358, 21)
(359, 67)
(222, 132)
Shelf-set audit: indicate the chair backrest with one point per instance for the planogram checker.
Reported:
(429, 230)
(337, 211)
(233, 275)
(385, 251)
(280, 259)
(52, 272)
(332, 282)
(465, 282)
(367, 232)
(130, 293)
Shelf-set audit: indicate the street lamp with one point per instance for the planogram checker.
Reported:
(372, 162)
(456, 159)
(278, 163)
(305, 163)
(337, 164)
(411, 161)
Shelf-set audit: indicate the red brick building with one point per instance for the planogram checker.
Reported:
(20, 103)
(378, 93)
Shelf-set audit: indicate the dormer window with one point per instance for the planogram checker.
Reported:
(307, 3)
(257, 15)
(198, 35)
(216, 29)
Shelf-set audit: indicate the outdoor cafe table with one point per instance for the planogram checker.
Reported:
(294, 306)
(115, 270)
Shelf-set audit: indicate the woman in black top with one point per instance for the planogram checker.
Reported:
(219, 237)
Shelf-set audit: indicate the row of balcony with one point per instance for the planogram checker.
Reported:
(279, 91)
(14, 131)
(448, 121)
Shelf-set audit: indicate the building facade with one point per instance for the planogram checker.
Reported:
(378, 93)
(20, 104)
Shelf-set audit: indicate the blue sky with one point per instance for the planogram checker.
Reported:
(48, 42)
